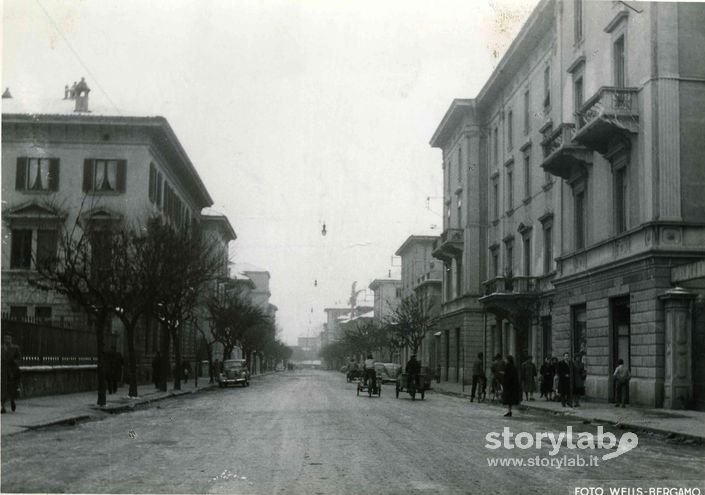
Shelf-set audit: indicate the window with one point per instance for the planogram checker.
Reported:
(459, 276)
(18, 312)
(37, 174)
(398, 293)
(619, 63)
(22, 249)
(495, 197)
(496, 145)
(547, 87)
(527, 110)
(580, 218)
(460, 211)
(579, 324)
(42, 313)
(547, 248)
(578, 99)
(155, 185)
(510, 188)
(527, 175)
(104, 176)
(460, 163)
(510, 130)
(509, 264)
(620, 199)
(578, 4)
(494, 254)
(526, 246)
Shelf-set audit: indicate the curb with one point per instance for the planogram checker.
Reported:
(122, 408)
(616, 424)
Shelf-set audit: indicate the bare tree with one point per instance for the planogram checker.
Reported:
(410, 321)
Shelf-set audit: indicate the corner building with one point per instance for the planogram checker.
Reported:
(574, 198)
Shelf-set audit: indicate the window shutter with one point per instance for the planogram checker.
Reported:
(121, 175)
(21, 175)
(54, 174)
(87, 175)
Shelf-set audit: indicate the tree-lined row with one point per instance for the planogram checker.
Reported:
(148, 272)
(405, 327)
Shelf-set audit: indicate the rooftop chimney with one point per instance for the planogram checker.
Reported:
(80, 93)
(6, 94)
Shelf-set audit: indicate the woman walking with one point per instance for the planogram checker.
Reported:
(10, 378)
(511, 386)
(547, 371)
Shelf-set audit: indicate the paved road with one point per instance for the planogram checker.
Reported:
(306, 432)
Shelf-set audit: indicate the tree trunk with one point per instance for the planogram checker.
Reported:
(100, 344)
(131, 358)
(176, 334)
(164, 351)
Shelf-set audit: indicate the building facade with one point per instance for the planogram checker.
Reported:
(65, 162)
(422, 277)
(583, 145)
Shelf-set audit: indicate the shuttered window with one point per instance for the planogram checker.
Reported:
(104, 176)
(37, 174)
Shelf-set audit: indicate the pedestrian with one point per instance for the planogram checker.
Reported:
(157, 370)
(511, 386)
(554, 364)
(185, 370)
(114, 364)
(621, 381)
(479, 379)
(546, 372)
(528, 378)
(497, 370)
(579, 376)
(10, 378)
(564, 371)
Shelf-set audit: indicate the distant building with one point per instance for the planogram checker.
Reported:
(387, 295)
(422, 276)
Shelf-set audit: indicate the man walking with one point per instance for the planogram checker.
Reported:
(10, 378)
(479, 379)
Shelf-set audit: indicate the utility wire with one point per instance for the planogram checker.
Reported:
(78, 57)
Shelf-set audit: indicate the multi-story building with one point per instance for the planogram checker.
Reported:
(387, 295)
(573, 188)
(422, 276)
(65, 161)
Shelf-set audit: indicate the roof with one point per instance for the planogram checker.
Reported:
(379, 282)
(415, 239)
(223, 222)
(28, 109)
(457, 110)
(538, 23)
(249, 268)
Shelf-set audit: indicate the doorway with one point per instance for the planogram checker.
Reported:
(621, 337)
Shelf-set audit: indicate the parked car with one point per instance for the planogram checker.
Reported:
(388, 371)
(234, 372)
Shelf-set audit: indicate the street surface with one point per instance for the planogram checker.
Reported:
(306, 432)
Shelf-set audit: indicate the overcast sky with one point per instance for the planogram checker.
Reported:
(294, 113)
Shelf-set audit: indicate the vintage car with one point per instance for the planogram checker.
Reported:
(388, 372)
(234, 372)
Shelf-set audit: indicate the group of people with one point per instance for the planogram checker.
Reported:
(564, 379)
(158, 377)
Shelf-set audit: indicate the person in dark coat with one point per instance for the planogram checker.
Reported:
(511, 386)
(10, 377)
(547, 371)
(528, 378)
(563, 370)
(579, 376)
(185, 370)
(157, 369)
(479, 380)
(114, 364)
(413, 370)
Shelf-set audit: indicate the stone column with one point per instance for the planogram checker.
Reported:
(678, 380)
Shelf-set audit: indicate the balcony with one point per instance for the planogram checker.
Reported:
(563, 157)
(448, 245)
(611, 111)
(513, 298)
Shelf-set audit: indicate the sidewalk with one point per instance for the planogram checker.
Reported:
(37, 412)
(685, 423)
